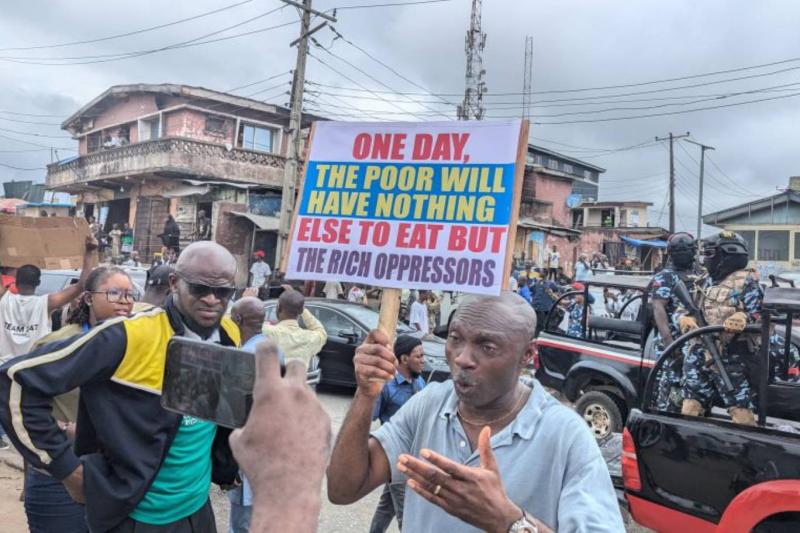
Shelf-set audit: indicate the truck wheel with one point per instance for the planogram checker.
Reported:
(600, 412)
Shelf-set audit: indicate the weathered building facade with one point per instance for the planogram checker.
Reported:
(147, 151)
(548, 193)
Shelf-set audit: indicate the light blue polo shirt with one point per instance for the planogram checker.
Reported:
(549, 461)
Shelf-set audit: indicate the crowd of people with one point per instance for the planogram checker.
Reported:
(82, 403)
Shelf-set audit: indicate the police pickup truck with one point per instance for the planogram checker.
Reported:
(601, 366)
(683, 473)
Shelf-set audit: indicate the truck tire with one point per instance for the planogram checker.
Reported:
(600, 412)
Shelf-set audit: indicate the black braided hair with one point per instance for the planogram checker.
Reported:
(80, 315)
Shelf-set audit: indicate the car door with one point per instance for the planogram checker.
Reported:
(344, 335)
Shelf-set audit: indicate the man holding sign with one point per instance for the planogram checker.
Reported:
(485, 451)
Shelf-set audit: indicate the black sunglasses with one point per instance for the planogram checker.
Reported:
(199, 290)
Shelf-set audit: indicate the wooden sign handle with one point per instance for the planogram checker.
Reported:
(387, 322)
(389, 311)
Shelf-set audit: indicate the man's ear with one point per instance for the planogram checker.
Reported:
(173, 283)
(530, 351)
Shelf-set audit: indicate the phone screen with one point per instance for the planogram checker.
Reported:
(208, 381)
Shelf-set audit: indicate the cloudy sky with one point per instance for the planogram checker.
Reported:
(407, 63)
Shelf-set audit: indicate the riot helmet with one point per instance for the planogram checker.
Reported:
(724, 253)
(681, 249)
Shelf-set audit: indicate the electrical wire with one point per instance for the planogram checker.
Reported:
(670, 113)
(392, 4)
(128, 34)
(197, 41)
(34, 134)
(12, 167)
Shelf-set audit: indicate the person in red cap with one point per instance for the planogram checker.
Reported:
(575, 312)
(260, 270)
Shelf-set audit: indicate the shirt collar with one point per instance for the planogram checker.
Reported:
(526, 420)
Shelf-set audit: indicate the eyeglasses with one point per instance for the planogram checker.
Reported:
(199, 290)
(117, 295)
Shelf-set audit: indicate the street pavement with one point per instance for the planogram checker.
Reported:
(333, 518)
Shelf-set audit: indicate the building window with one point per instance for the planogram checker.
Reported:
(773, 245)
(797, 245)
(215, 125)
(256, 138)
(149, 129)
(568, 168)
(93, 142)
(749, 237)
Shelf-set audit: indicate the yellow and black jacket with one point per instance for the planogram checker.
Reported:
(123, 433)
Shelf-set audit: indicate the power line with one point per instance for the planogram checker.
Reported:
(128, 34)
(259, 81)
(105, 58)
(30, 122)
(29, 142)
(680, 112)
(383, 64)
(34, 134)
(33, 150)
(376, 80)
(27, 114)
(392, 4)
(353, 81)
(37, 169)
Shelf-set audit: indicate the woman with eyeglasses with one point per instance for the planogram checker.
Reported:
(109, 294)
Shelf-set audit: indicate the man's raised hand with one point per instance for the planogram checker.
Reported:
(374, 363)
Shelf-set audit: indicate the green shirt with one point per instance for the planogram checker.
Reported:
(181, 484)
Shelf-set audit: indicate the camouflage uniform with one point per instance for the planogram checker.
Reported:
(668, 388)
(783, 368)
(739, 291)
(575, 324)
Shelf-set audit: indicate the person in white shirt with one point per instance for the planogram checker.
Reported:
(553, 260)
(26, 316)
(260, 270)
(418, 317)
(333, 290)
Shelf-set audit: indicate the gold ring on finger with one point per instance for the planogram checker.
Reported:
(437, 490)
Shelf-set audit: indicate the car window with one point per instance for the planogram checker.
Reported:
(369, 318)
(51, 283)
(333, 321)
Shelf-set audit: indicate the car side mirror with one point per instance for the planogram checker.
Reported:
(351, 336)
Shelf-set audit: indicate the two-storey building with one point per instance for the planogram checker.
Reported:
(147, 151)
(553, 184)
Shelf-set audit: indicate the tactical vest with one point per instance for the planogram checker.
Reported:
(725, 298)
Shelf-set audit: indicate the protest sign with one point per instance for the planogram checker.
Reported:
(410, 205)
(46, 242)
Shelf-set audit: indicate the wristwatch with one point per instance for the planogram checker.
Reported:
(526, 524)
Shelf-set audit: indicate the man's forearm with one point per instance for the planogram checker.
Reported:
(348, 471)
(660, 316)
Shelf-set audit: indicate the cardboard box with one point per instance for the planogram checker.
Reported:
(50, 243)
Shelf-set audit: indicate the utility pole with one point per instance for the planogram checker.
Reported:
(672, 139)
(472, 106)
(290, 174)
(527, 84)
(703, 148)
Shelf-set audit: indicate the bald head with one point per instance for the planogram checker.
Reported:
(290, 305)
(207, 262)
(248, 307)
(249, 314)
(508, 312)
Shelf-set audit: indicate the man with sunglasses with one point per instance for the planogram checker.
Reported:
(136, 466)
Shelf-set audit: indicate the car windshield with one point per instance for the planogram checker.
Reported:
(369, 318)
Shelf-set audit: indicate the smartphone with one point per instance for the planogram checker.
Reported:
(208, 381)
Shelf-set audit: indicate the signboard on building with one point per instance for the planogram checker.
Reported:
(410, 205)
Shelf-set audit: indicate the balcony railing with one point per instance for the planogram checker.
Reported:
(169, 155)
